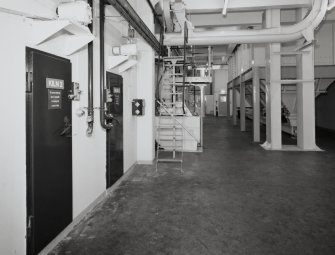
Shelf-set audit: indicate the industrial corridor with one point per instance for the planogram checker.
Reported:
(234, 198)
(167, 127)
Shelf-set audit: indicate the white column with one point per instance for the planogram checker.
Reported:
(203, 113)
(256, 103)
(146, 90)
(273, 87)
(242, 105)
(234, 104)
(228, 101)
(305, 97)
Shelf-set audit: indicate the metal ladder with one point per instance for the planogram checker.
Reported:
(169, 129)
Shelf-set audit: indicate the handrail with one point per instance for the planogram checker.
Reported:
(165, 109)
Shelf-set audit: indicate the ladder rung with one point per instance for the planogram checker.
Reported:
(176, 93)
(167, 115)
(170, 160)
(171, 135)
(170, 103)
(169, 126)
(171, 146)
(178, 65)
(173, 57)
(170, 139)
(175, 115)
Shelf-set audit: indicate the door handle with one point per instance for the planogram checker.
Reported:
(67, 129)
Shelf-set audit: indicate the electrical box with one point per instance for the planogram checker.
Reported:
(138, 107)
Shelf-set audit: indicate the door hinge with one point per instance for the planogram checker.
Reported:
(29, 225)
(29, 81)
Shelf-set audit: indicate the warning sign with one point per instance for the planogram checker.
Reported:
(54, 84)
(54, 99)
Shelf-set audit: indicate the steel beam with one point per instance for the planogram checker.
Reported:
(228, 101)
(242, 105)
(305, 98)
(273, 90)
(234, 104)
(256, 103)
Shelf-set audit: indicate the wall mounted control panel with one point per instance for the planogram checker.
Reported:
(138, 107)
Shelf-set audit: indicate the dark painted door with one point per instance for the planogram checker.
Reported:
(115, 135)
(49, 148)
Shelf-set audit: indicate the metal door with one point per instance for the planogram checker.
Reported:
(115, 135)
(49, 148)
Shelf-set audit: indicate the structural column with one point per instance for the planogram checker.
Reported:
(234, 104)
(146, 90)
(305, 97)
(228, 101)
(202, 114)
(273, 87)
(242, 104)
(256, 103)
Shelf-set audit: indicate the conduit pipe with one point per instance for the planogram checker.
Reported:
(90, 108)
(125, 9)
(282, 34)
(104, 116)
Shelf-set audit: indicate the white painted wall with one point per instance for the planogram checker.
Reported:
(12, 136)
(146, 91)
(209, 105)
(89, 153)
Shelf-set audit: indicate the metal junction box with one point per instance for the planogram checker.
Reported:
(138, 107)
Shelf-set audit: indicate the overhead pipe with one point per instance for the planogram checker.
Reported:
(127, 11)
(283, 34)
(90, 107)
(155, 15)
(104, 115)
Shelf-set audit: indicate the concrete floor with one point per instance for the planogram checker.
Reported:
(234, 198)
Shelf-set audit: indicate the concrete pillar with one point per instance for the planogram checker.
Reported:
(203, 113)
(256, 104)
(305, 97)
(234, 104)
(273, 87)
(242, 104)
(228, 101)
(146, 90)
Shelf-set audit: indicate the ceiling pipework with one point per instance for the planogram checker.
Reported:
(127, 11)
(304, 29)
